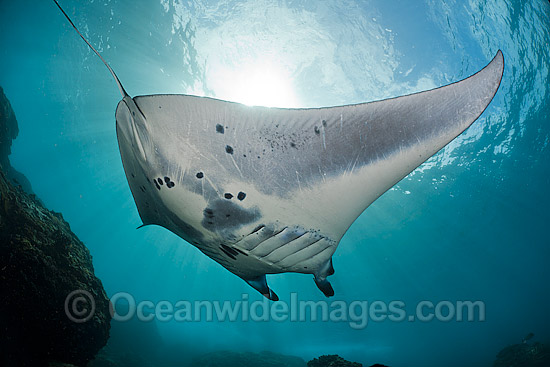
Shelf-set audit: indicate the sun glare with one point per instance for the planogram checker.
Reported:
(260, 83)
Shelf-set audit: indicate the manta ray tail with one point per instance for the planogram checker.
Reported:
(119, 84)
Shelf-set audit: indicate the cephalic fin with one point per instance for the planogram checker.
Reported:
(118, 83)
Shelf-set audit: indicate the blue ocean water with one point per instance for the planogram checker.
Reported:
(468, 225)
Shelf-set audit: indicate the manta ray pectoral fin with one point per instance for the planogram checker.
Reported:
(260, 284)
(321, 278)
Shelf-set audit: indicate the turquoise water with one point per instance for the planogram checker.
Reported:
(469, 224)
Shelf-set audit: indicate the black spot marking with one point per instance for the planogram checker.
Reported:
(169, 183)
(293, 144)
(220, 129)
(244, 155)
(228, 196)
(200, 175)
(241, 196)
(133, 176)
(325, 123)
(208, 213)
(160, 107)
(134, 113)
(229, 149)
(160, 181)
(317, 130)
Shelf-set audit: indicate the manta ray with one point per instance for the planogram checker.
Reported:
(272, 190)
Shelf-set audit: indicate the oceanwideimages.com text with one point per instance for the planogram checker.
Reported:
(80, 305)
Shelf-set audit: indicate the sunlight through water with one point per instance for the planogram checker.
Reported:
(254, 83)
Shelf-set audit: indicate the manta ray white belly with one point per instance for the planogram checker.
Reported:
(269, 190)
(266, 190)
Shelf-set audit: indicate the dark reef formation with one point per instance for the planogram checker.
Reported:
(332, 360)
(524, 355)
(8, 131)
(247, 359)
(41, 263)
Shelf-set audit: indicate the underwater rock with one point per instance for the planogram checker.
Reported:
(8, 131)
(41, 263)
(247, 359)
(524, 355)
(332, 360)
(8, 128)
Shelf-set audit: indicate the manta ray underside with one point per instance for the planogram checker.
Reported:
(271, 190)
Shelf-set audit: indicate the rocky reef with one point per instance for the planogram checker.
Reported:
(8, 131)
(247, 359)
(41, 263)
(268, 359)
(526, 354)
(332, 360)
